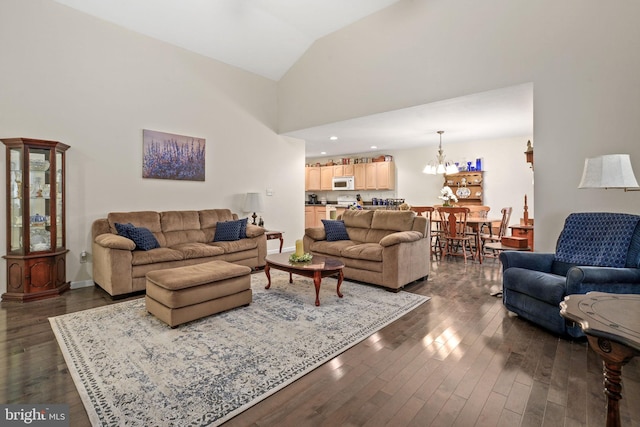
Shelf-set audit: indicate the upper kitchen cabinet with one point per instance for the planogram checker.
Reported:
(377, 176)
(326, 178)
(312, 178)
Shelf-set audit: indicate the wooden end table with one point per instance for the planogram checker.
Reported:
(611, 323)
(318, 268)
(272, 235)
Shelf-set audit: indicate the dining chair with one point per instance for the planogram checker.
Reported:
(453, 225)
(477, 211)
(502, 231)
(434, 228)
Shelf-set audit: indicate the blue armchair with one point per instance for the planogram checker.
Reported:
(596, 251)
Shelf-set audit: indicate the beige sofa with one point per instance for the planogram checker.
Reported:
(387, 248)
(184, 237)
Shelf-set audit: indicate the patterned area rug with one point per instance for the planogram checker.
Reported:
(132, 369)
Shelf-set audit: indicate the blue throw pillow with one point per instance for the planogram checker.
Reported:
(335, 230)
(227, 231)
(123, 229)
(243, 228)
(143, 238)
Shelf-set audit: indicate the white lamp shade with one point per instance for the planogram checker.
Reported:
(609, 171)
(252, 202)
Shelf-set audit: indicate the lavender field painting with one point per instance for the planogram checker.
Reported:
(169, 156)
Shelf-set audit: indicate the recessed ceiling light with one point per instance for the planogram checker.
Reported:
(323, 152)
(373, 147)
(333, 138)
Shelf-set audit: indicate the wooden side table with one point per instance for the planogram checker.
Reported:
(272, 235)
(523, 231)
(611, 323)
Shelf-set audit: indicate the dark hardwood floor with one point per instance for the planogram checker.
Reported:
(459, 359)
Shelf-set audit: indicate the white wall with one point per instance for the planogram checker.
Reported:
(582, 56)
(69, 77)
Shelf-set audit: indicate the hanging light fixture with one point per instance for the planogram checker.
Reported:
(440, 166)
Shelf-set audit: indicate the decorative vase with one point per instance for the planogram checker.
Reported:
(446, 204)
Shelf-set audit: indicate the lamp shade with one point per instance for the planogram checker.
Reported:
(252, 202)
(609, 171)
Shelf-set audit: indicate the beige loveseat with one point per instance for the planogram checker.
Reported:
(387, 248)
(184, 237)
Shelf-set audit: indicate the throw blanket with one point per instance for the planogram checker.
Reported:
(596, 238)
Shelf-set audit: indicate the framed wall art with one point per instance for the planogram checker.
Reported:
(169, 156)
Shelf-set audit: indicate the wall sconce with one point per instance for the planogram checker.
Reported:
(609, 171)
(253, 203)
(529, 153)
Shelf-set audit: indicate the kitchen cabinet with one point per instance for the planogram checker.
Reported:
(312, 178)
(338, 170)
(36, 252)
(359, 173)
(348, 170)
(326, 178)
(467, 186)
(379, 176)
(385, 175)
(313, 215)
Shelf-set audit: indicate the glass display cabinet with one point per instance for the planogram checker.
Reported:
(36, 253)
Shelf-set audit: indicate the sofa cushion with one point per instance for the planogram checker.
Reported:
(210, 217)
(357, 218)
(156, 255)
(325, 247)
(146, 219)
(393, 220)
(143, 238)
(198, 250)
(365, 251)
(181, 227)
(633, 256)
(227, 231)
(335, 230)
(236, 245)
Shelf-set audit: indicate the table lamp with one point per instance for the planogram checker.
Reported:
(253, 203)
(609, 171)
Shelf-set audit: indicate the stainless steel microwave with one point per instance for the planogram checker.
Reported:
(343, 183)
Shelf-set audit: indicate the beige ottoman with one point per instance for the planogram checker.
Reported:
(182, 294)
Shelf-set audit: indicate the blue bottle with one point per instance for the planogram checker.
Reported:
(478, 164)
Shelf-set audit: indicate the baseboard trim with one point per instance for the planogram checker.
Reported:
(81, 284)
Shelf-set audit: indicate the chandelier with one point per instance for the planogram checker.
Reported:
(440, 166)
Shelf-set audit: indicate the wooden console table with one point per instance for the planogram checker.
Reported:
(611, 323)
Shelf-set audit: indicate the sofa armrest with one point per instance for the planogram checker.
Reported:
(113, 241)
(583, 279)
(536, 261)
(401, 237)
(254, 230)
(315, 233)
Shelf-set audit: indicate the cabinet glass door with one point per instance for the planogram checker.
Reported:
(57, 193)
(16, 178)
(40, 207)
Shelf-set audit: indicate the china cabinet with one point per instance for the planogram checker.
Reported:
(36, 252)
(467, 186)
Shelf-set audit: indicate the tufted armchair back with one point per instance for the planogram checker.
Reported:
(601, 239)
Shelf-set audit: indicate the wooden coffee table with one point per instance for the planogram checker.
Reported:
(317, 268)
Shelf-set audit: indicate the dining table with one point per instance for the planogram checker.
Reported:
(476, 224)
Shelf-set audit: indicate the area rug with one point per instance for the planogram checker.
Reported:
(131, 369)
